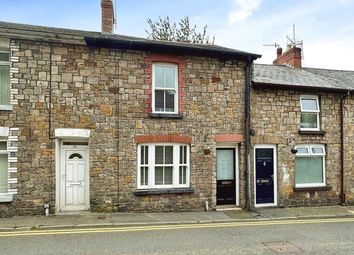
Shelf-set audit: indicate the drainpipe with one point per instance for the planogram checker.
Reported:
(342, 193)
(52, 186)
(247, 132)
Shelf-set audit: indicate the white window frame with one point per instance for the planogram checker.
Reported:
(313, 97)
(151, 166)
(5, 152)
(5, 63)
(309, 155)
(164, 89)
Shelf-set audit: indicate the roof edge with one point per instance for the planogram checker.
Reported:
(262, 85)
(166, 47)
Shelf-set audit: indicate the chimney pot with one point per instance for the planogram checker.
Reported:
(107, 16)
(291, 57)
(279, 52)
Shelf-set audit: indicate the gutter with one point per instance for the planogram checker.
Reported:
(342, 192)
(168, 48)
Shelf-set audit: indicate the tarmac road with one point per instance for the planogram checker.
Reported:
(311, 236)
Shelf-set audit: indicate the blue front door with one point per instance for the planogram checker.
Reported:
(264, 176)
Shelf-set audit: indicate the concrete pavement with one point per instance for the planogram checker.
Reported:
(87, 219)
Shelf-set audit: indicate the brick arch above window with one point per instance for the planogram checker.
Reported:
(169, 59)
(163, 139)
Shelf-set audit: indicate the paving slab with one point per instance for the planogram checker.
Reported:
(88, 219)
(275, 213)
(321, 211)
(240, 214)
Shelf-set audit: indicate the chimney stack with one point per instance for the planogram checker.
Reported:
(291, 57)
(107, 16)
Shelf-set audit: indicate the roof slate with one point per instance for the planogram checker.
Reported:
(282, 75)
(60, 35)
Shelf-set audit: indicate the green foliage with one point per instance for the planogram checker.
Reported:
(164, 29)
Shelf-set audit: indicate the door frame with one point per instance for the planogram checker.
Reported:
(60, 168)
(237, 179)
(275, 177)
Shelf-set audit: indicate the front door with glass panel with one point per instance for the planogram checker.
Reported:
(225, 176)
(74, 179)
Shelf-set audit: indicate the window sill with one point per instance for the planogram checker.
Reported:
(312, 132)
(6, 197)
(321, 188)
(5, 107)
(143, 192)
(165, 115)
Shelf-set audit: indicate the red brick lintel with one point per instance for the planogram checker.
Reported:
(229, 138)
(163, 139)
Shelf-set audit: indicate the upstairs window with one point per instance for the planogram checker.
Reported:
(163, 166)
(310, 166)
(310, 113)
(165, 88)
(4, 72)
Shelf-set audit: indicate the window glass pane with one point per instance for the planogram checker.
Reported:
(224, 164)
(300, 170)
(4, 56)
(4, 85)
(159, 155)
(3, 146)
(159, 76)
(183, 154)
(315, 171)
(302, 150)
(158, 175)
(144, 174)
(170, 101)
(159, 100)
(142, 155)
(182, 175)
(168, 154)
(309, 104)
(309, 170)
(308, 120)
(146, 155)
(170, 77)
(317, 150)
(168, 175)
(3, 173)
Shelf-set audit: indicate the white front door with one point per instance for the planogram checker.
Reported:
(74, 192)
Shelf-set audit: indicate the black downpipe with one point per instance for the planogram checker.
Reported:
(247, 131)
(342, 193)
(52, 187)
(116, 84)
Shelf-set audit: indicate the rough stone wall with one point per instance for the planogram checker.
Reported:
(349, 149)
(83, 95)
(276, 120)
(104, 90)
(214, 98)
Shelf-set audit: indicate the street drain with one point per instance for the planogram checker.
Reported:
(282, 247)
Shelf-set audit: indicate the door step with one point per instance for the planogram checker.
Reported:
(221, 208)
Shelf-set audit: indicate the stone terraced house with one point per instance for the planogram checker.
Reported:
(98, 121)
(104, 122)
(303, 140)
